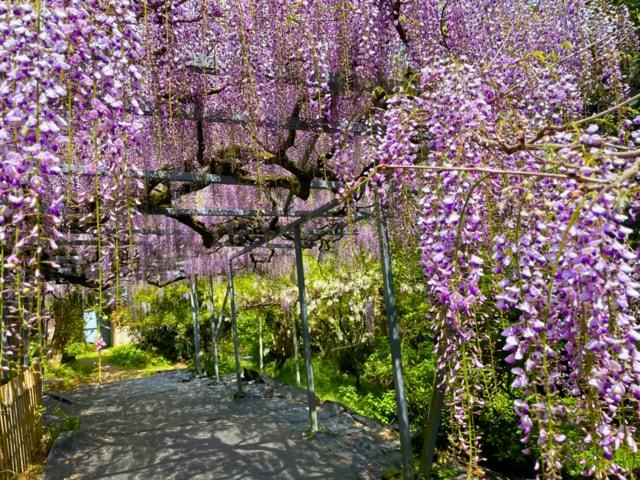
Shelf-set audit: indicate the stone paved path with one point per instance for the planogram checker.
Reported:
(169, 426)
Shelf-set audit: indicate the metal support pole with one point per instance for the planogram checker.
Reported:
(214, 330)
(394, 341)
(433, 423)
(224, 305)
(4, 346)
(196, 323)
(260, 351)
(44, 342)
(26, 340)
(296, 355)
(234, 323)
(311, 393)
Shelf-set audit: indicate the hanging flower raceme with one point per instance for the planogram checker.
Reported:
(65, 70)
(524, 210)
(100, 344)
(571, 275)
(518, 219)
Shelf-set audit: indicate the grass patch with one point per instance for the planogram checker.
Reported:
(67, 423)
(76, 349)
(118, 363)
(131, 357)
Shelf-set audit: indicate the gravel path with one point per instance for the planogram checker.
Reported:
(169, 426)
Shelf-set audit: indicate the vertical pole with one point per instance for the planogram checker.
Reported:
(394, 341)
(311, 394)
(260, 351)
(234, 323)
(296, 355)
(26, 333)
(214, 330)
(221, 317)
(196, 323)
(44, 343)
(433, 422)
(4, 345)
(44, 325)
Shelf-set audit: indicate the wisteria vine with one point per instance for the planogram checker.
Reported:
(526, 210)
(514, 119)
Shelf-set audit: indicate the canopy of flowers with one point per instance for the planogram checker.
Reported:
(505, 129)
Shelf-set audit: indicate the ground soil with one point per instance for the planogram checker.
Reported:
(171, 426)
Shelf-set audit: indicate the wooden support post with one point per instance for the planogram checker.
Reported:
(311, 393)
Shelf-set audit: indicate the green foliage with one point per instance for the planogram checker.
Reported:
(166, 341)
(352, 359)
(68, 317)
(340, 387)
(577, 462)
(226, 364)
(327, 379)
(377, 369)
(76, 349)
(629, 460)
(380, 407)
(130, 356)
(125, 361)
(163, 319)
(501, 437)
(447, 472)
(392, 474)
(633, 6)
(66, 423)
(420, 370)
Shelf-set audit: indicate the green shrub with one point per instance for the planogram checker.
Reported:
(67, 313)
(76, 349)
(577, 460)
(381, 407)
(225, 364)
(501, 436)
(167, 341)
(129, 356)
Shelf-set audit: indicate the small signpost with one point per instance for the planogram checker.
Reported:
(94, 328)
(90, 326)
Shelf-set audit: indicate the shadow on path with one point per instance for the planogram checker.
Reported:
(168, 426)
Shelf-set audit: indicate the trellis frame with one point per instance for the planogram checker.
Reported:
(327, 210)
(293, 123)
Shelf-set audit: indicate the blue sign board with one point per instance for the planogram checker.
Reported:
(90, 326)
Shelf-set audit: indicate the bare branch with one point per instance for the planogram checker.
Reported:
(163, 283)
(497, 171)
